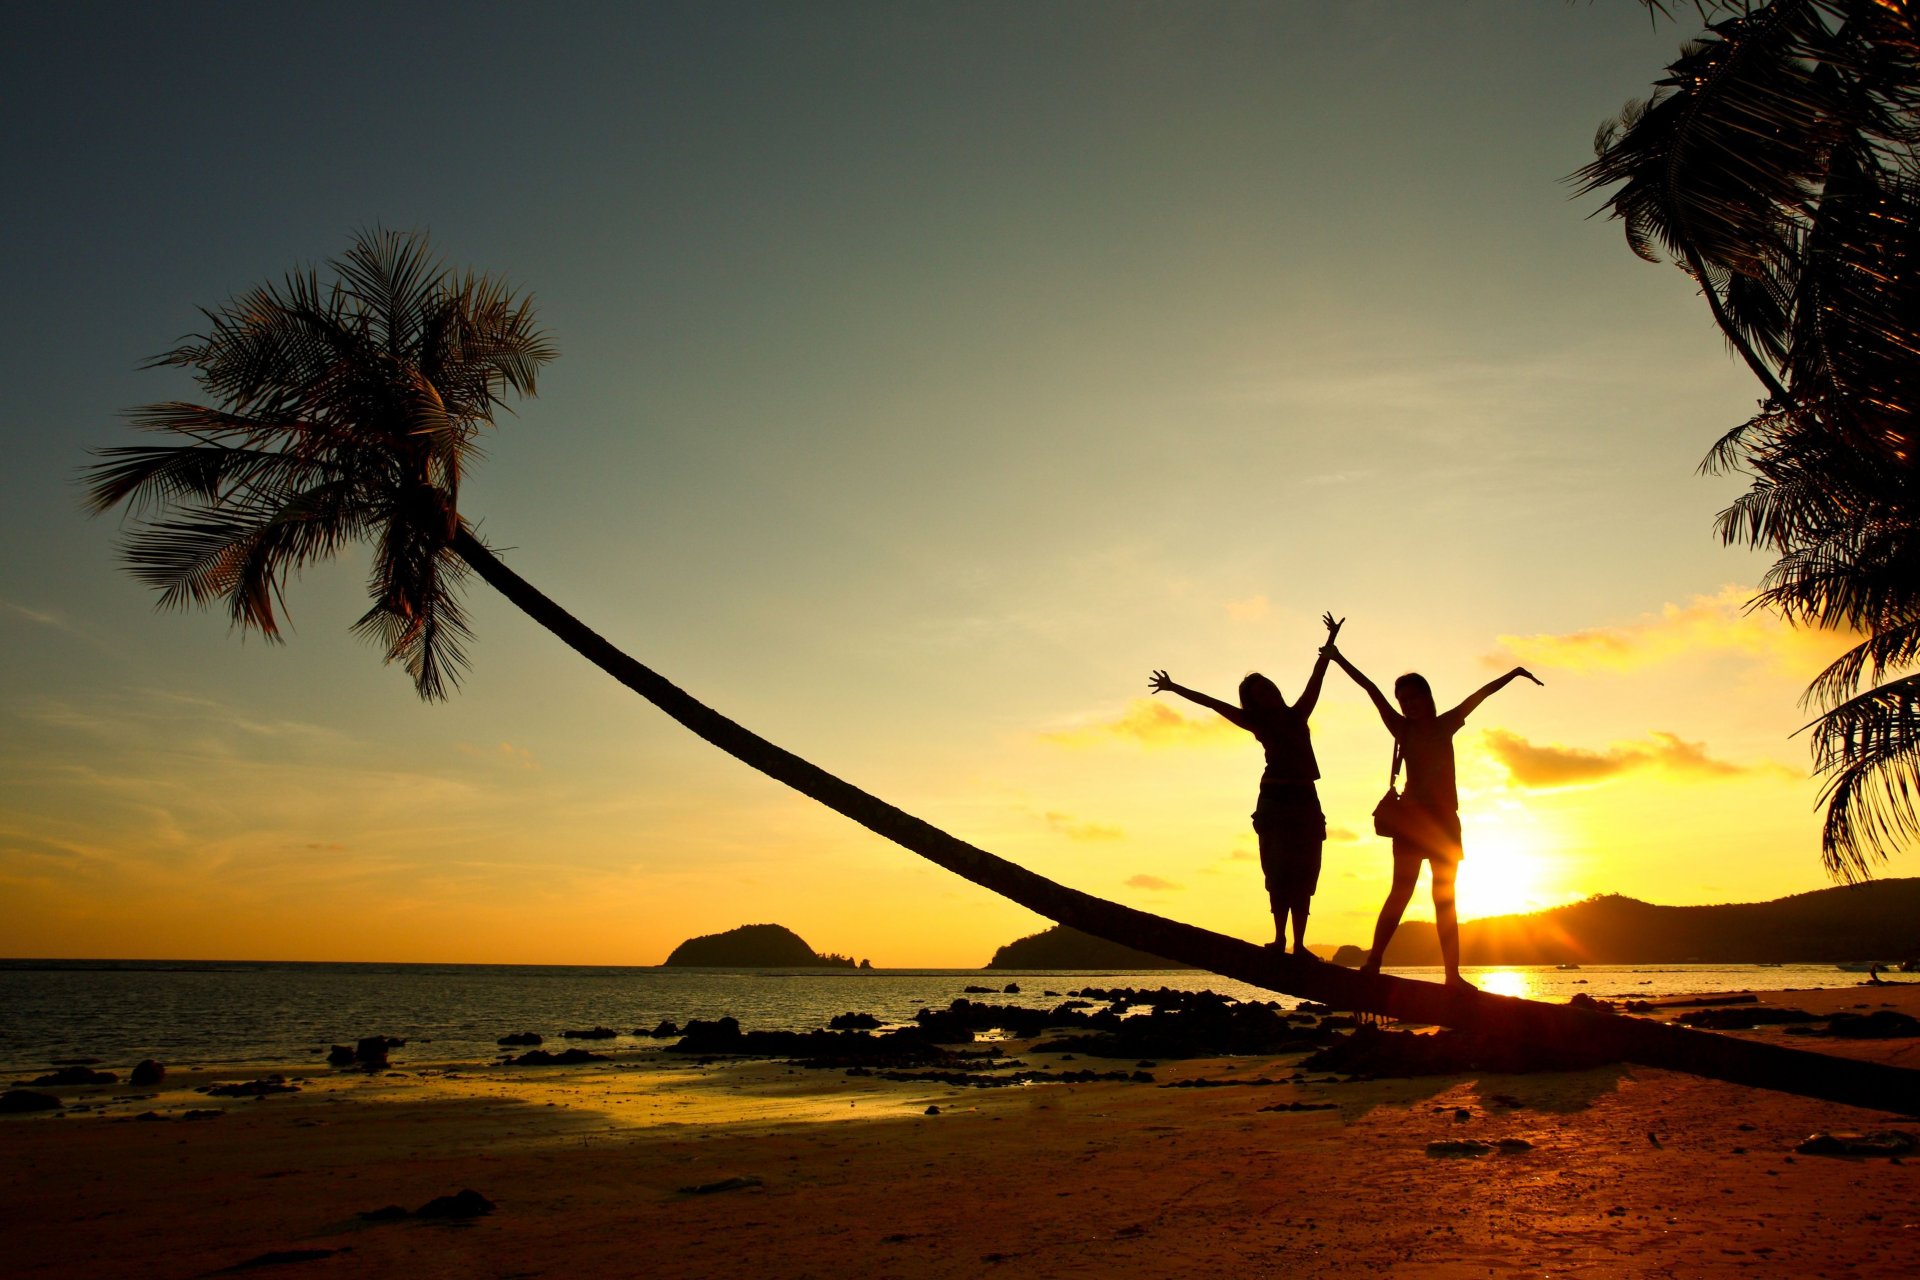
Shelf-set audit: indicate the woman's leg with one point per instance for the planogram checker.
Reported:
(1301, 885)
(1446, 920)
(1272, 868)
(1406, 874)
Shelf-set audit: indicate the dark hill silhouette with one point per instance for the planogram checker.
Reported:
(1877, 920)
(1063, 948)
(754, 946)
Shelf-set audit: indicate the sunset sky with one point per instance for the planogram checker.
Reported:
(930, 374)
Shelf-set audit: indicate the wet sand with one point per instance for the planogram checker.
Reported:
(1629, 1172)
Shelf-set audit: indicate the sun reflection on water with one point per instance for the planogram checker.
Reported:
(1503, 982)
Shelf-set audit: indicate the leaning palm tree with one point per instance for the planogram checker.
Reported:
(1776, 164)
(348, 412)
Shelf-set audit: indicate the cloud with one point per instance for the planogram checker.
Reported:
(504, 753)
(1540, 767)
(1341, 835)
(1073, 829)
(1147, 723)
(1154, 883)
(1252, 609)
(1706, 624)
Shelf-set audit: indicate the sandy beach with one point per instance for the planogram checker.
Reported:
(682, 1168)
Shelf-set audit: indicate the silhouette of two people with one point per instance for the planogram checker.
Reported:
(1287, 817)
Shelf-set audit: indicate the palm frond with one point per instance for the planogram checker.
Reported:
(1869, 748)
(338, 410)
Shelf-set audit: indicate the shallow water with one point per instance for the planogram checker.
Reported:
(216, 1013)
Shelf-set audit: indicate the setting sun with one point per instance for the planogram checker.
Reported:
(1506, 871)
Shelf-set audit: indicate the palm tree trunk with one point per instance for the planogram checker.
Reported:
(1651, 1044)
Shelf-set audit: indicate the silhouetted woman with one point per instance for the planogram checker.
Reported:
(1431, 808)
(1286, 817)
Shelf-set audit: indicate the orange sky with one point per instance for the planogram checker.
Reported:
(928, 379)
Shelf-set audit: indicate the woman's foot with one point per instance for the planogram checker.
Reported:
(1370, 968)
(1458, 983)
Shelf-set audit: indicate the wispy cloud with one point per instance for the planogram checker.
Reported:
(1545, 767)
(1155, 884)
(1715, 623)
(1073, 829)
(1251, 609)
(503, 753)
(1147, 723)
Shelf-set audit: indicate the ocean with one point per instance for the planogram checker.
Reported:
(231, 1014)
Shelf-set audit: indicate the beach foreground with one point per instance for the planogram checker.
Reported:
(752, 1167)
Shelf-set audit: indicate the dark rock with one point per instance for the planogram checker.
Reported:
(666, 1030)
(590, 1033)
(725, 1184)
(20, 1101)
(369, 1053)
(462, 1204)
(1302, 1106)
(1886, 1142)
(1743, 1018)
(1513, 1146)
(931, 1111)
(528, 1039)
(547, 1058)
(203, 1113)
(1011, 989)
(385, 1213)
(149, 1115)
(340, 1055)
(1467, 1148)
(253, 1088)
(280, 1257)
(1881, 1024)
(974, 990)
(1584, 1001)
(147, 1072)
(854, 1022)
(67, 1077)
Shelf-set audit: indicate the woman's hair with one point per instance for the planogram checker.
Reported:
(1415, 694)
(1258, 691)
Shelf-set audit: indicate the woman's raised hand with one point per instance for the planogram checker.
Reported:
(1522, 671)
(1161, 682)
(1333, 628)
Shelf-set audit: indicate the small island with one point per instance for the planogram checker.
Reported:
(757, 946)
(1064, 948)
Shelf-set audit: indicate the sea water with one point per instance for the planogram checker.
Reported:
(219, 1013)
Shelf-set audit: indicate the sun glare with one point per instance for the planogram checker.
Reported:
(1503, 873)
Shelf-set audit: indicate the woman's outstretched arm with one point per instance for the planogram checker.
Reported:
(1387, 714)
(1163, 683)
(1310, 696)
(1490, 688)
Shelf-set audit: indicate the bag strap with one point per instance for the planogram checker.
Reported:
(1393, 779)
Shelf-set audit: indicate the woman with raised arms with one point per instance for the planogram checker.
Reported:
(1286, 818)
(1429, 813)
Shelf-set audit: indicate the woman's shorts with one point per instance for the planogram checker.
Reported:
(1431, 836)
(1292, 830)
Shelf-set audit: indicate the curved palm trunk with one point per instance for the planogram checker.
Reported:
(1651, 1044)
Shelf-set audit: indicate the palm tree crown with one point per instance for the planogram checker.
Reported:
(337, 412)
(1777, 163)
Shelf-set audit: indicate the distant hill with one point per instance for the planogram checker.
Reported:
(1879, 920)
(1064, 948)
(756, 946)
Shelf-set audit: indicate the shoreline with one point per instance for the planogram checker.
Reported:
(648, 1164)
